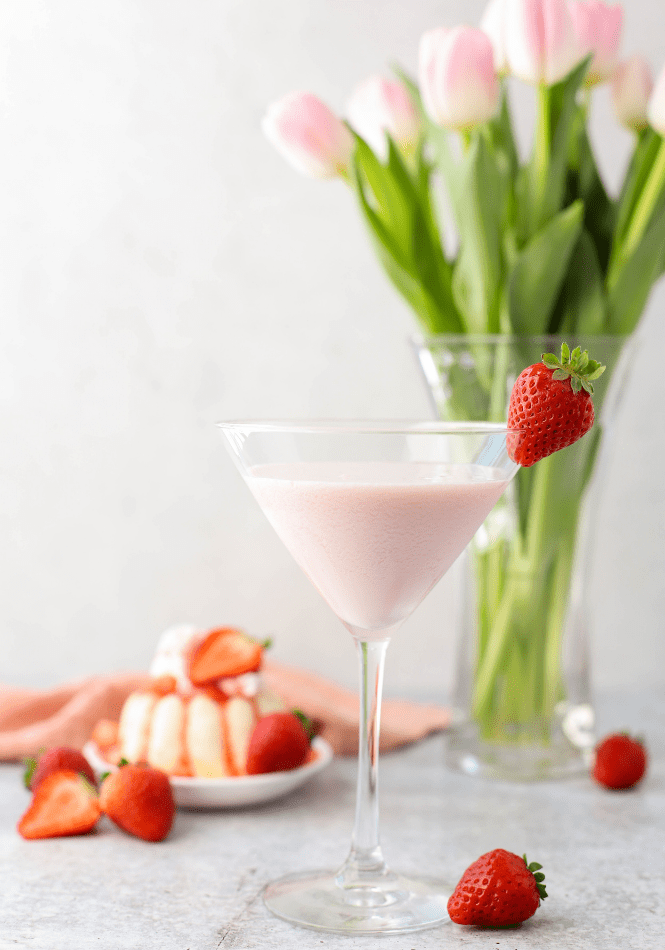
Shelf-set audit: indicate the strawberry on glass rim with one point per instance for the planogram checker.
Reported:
(551, 404)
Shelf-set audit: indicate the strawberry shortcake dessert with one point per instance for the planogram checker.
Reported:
(198, 714)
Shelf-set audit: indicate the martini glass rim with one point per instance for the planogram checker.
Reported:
(378, 426)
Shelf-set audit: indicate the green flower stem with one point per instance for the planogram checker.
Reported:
(466, 138)
(542, 149)
(499, 643)
(484, 588)
(540, 503)
(555, 623)
(490, 577)
(521, 559)
(641, 216)
(523, 613)
(509, 707)
(518, 680)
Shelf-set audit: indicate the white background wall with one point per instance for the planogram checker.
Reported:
(161, 268)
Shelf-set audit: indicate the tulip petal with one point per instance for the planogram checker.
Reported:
(598, 30)
(378, 106)
(540, 41)
(493, 24)
(457, 76)
(632, 85)
(309, 135)
(656, 108)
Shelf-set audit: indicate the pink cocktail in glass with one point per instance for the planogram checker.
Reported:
(374, 514)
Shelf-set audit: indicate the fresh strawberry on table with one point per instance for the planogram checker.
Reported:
(64, 803)
(620, 761)
(55, 760)
(551, 404)
(221, 653)
(279, 742)
(500, 889)
(139, 799)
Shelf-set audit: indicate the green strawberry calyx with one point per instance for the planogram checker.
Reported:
(536, 870)
(121, 764)
(307, 723)
(575, 366)
(29, 766)
(639, 738)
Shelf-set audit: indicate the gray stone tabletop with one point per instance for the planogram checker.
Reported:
(603, 853)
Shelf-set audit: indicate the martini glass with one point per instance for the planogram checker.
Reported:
(374, 513)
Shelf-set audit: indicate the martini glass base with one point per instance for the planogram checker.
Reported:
(393, 905)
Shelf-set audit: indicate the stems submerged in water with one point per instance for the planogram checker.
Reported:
(523, 557)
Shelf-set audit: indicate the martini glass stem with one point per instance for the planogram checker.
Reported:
(365, 865)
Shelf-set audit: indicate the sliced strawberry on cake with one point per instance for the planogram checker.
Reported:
(223, 653)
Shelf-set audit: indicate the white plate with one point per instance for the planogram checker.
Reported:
(232, 792)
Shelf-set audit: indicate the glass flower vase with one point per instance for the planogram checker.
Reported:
(523, 707)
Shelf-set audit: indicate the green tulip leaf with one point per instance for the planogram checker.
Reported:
(537, 277)
(482, 220)
(436, 311)
(426, 248)
(634, 278)
(586, 184)
(501, 135)
(581, 307)
(390, 202)
(438, 139)
(559, 103)
(640, 165)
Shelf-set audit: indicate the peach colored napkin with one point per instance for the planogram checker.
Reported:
(31, 720)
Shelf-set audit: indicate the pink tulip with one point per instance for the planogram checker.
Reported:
(598, 29)
(457, 78)
(309, 135)
(493, 23)
(540, 40)
(378, 106)
(632, 85)
(656, 107)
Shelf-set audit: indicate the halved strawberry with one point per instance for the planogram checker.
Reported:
(139, 799)
(223, 652)
(63, 804)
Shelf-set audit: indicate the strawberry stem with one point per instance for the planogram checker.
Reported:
(575, 366)
(536, 870)
(29, 770)
(307, 723)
